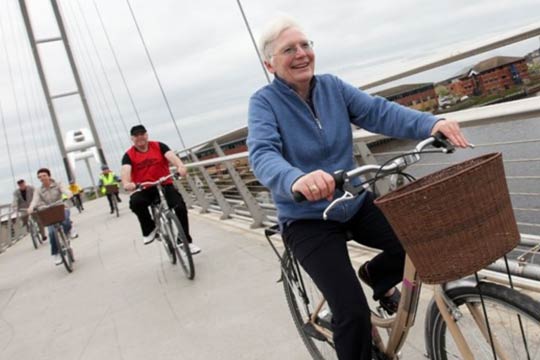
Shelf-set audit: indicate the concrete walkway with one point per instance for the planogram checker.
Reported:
(125, 301)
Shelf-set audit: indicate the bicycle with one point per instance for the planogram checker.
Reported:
(53, 215)
(112, 190)
(461, 308)
(169, 230)
(77, 202)
(33, 229)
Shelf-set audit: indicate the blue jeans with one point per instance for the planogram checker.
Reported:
(66, 224)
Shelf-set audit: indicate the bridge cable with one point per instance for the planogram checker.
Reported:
(116, 61)
(95, 83)
(156, 75)
(107, 80)
(253, 41)
(17, 110)
(44, 149)
(23, 78)
(7, 146)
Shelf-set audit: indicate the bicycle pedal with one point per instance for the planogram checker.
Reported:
(310, 330)
(325, 320)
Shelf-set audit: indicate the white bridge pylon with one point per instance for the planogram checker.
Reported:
(80, 145)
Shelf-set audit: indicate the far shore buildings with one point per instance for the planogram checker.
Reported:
(417, 96)
(491, 76)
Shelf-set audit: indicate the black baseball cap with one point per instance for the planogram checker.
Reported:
(137, 129)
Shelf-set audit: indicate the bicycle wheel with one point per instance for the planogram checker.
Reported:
(78, 204)
(183, 254)
(509, 312)
(65, 251)
(166, 239)
(35, 234)
(303, 297)
(115, 202)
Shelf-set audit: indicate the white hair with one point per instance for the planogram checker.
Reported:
(272, 32)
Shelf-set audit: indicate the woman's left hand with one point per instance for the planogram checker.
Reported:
(450, 128)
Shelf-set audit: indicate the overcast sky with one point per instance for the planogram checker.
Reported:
(207, 65)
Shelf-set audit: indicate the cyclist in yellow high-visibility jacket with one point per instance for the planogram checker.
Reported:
(107, 177)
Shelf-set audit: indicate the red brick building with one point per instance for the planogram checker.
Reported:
(491, 76)
(417, 96)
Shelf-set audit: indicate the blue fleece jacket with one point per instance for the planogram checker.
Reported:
(287, 138)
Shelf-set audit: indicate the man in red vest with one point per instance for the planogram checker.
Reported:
(149, 161)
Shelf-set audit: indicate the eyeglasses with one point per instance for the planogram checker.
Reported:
(291, 50)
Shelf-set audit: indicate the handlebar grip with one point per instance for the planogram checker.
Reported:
(339, 180)
(299, 197)
(441, 141)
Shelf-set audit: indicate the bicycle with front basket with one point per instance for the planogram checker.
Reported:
(112, 190)
(53, 215)
(465, 319)
(169, 229)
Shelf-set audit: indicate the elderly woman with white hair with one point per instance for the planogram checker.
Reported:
(299, 133)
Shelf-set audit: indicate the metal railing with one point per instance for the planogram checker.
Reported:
(213, 184)
(11, 227)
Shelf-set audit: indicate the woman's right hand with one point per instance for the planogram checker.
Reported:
(315, 186)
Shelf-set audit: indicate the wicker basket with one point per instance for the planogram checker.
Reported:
(51, 215)
(111, 189)
(456, 221)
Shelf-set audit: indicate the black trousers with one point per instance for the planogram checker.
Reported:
(321, 248)
(140, 201)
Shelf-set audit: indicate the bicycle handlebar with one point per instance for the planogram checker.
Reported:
(148, 184)
(341, 178)
(43, 207)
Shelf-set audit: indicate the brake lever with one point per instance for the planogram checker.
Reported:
(345, 197)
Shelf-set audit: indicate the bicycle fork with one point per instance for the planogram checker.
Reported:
(451, 315)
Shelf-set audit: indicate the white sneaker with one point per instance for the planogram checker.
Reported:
(194, 249)
(150, 237)
(57, 259)
(73, 234)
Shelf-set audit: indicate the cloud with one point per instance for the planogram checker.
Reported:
(206, 61)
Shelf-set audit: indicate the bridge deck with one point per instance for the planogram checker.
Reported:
(125, 301)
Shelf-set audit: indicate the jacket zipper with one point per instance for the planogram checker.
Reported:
(317, 121)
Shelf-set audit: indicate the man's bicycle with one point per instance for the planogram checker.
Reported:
(33, 229)
(466, 319)
(53, 215)
(112, 191)
(169, 230)
(77, 202)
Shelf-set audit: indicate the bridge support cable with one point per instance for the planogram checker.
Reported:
(15, 98)
(111, 47)
(94, 82)
(80, 89)
(21, 60)
(259, 55)
(156, 75)
(6, 139)
(104, 72)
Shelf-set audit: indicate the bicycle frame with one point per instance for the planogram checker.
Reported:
(161, 208)
(399, 325)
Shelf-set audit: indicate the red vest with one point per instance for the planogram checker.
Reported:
(150, 165)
